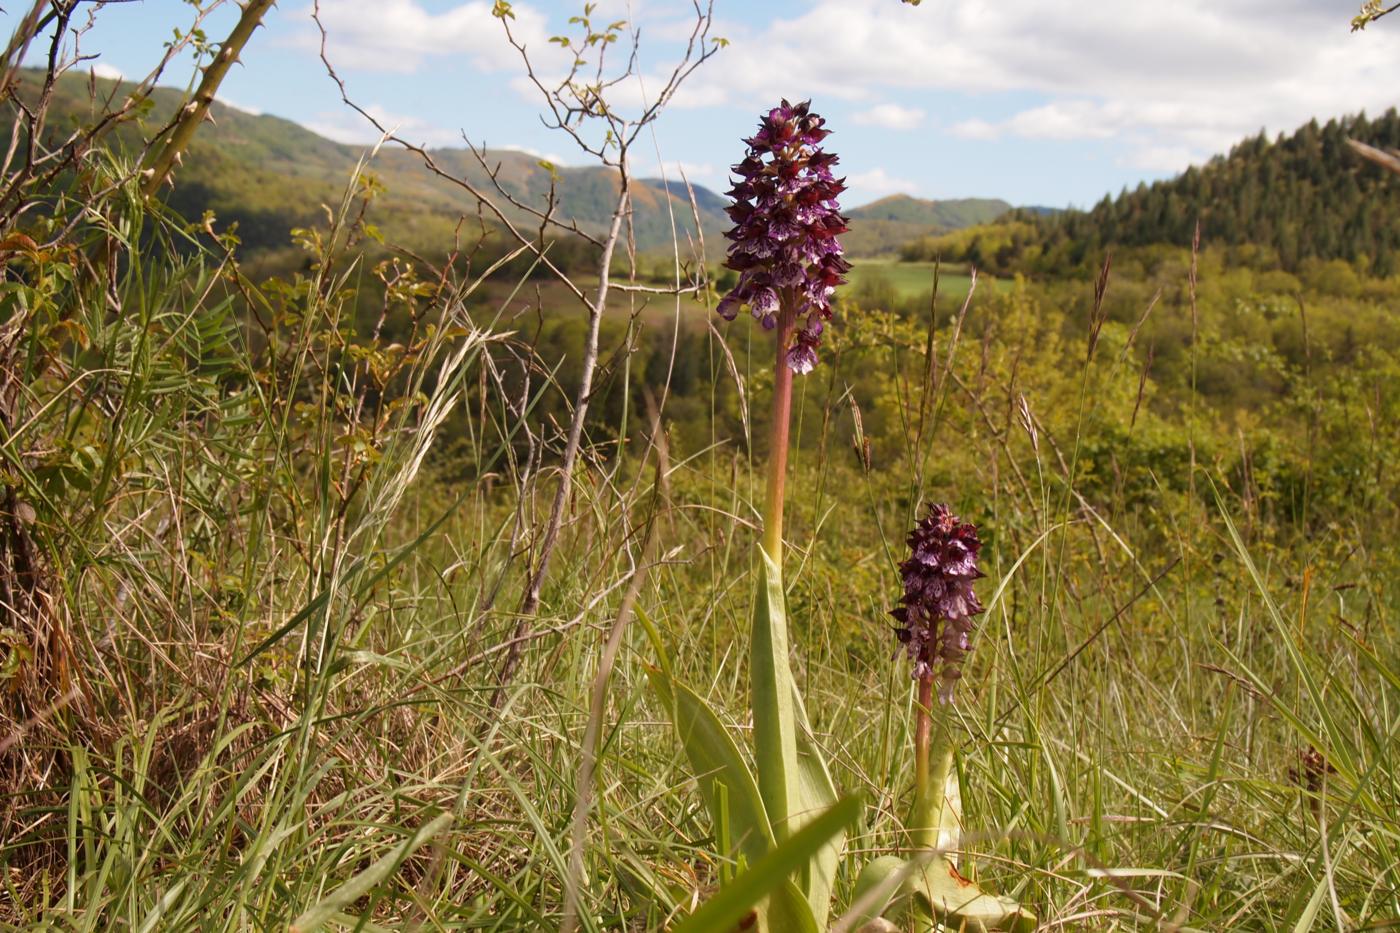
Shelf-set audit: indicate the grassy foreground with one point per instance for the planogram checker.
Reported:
(290, 556)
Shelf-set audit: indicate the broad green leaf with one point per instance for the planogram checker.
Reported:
(787, 909)
(770, 876)
(877, 872)
(959, 902)
(736, 808)
(950, 818)
(331, 906)
(817, 792)
(774, 719)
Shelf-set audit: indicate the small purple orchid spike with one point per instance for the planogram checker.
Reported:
(936, 615)
(786, 221)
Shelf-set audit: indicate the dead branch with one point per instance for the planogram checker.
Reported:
(1390, 161)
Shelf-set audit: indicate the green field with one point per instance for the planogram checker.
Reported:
(911, 279)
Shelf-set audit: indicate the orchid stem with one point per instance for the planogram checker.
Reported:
(933, 759)
(775, 729)
(778, 444)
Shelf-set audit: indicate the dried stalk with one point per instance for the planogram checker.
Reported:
(531, 599)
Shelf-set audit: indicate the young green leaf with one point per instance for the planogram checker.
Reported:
(726, 784)
(774, 718)
(770, 874)
(816, 792)
(878, 882)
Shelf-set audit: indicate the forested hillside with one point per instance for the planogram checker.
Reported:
(1296, 198)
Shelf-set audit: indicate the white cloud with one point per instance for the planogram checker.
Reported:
(403, 35)
(977, 129)
(675, 169)
(254, 111)
(695, 169)
(346, 126)
(104, 70)
(641, 91)
(1070, 119)
(408, 36)
(679, 172)
(550, 157)
(1164, 159)
(1169, 83)
(891, 117)
(703, 174)
(865, 186)
(1167, 79)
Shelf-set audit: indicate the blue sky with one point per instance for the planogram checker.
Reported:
(1052, 102)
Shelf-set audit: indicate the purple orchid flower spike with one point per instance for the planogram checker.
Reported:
(784, 241)
(936, 615)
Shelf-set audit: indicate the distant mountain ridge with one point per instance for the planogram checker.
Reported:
(957, 212)
(269, 175)
(882, 227)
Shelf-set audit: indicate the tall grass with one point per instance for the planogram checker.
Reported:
(277, 542)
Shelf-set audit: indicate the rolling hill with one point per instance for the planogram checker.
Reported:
(883, 226)
(270, 175)
(1290, 200)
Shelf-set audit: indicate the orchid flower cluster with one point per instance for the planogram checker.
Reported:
(776, 814)
(935, 618)
(786, 221)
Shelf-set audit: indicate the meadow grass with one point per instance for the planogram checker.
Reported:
(292, 600)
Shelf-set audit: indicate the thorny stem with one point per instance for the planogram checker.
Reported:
(195, 111)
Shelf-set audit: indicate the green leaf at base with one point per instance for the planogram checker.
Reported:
(877, 872)
(939, 888)
(774, 717)
(771, 875)
(816, 792)
(735, 809)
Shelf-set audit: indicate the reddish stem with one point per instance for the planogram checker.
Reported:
(778, 443)
(927, 797)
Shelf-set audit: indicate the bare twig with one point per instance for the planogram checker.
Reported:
(572, 102)
(388, 135)
(531, 599)
(1390, 161)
